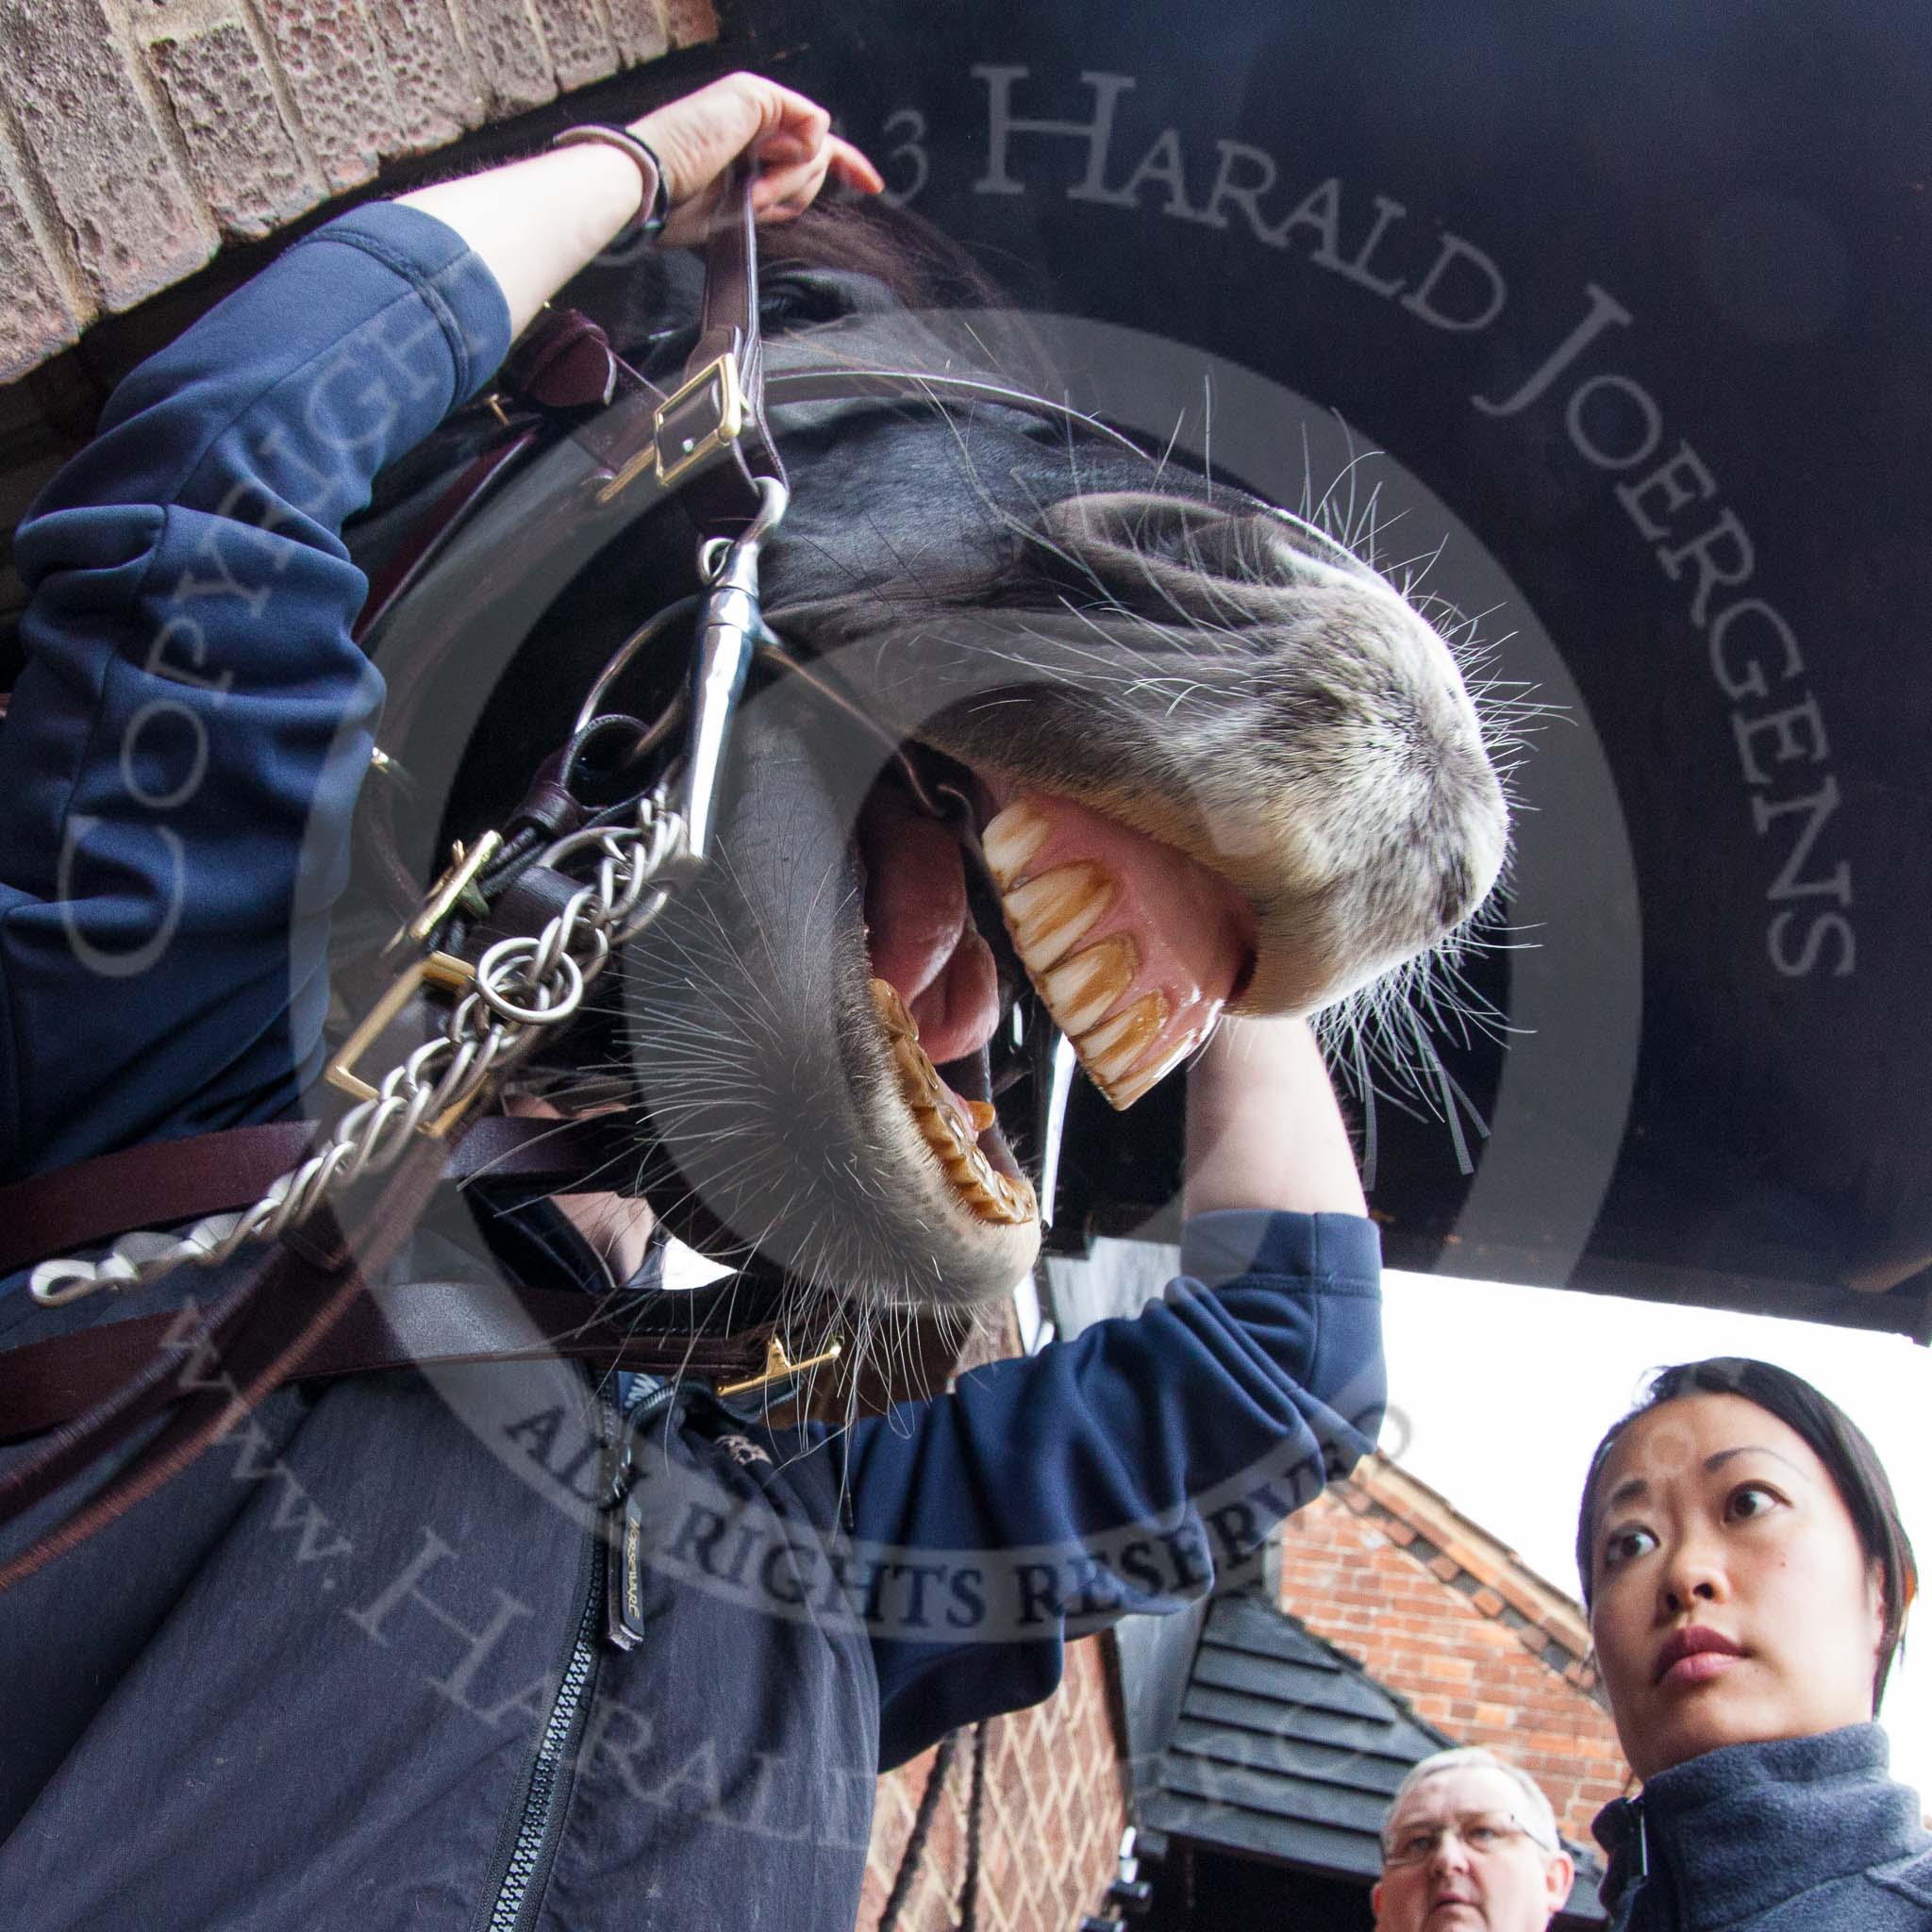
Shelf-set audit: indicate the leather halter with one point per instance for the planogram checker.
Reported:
(314, 1305)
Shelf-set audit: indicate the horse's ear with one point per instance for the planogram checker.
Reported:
(1169, 558)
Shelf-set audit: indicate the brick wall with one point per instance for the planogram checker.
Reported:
(1051, 1824)
(1055, 1785)
(137, 136)
(1437, 1628)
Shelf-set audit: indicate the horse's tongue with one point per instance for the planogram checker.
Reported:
(919, 938)
(1134, 947)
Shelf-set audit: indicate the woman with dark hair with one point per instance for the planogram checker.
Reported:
(1747, 1578)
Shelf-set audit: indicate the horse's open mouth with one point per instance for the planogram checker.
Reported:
(1133, 948)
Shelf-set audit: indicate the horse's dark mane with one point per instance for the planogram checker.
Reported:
(923, 267)
(912, 263)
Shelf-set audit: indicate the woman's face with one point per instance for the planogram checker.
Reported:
(1732, 1600)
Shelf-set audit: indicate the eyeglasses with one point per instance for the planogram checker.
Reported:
(1483, 1833)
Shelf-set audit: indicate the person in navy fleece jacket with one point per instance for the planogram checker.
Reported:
(1748, 1577)
(350, 1668)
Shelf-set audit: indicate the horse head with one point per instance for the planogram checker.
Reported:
(1067, 724)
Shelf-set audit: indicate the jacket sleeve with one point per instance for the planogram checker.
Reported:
(1046, 1496)
(185, 746)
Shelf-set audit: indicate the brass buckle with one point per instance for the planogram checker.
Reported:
(718, 425)
(444, 895)
(439, 969)
(779, 1367)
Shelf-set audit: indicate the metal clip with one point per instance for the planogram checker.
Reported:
(779, 1367)
(728, 632)
(440, 970)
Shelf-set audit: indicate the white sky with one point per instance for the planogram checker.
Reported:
(1502, 1394)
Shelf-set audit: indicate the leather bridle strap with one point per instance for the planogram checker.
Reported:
(415, 1325)
(223, 1361)
(725, 497)
(164, 1182)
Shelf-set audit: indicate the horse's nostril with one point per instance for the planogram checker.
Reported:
(1243, 976)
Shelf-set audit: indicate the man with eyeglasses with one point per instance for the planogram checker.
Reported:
(1470, 1841)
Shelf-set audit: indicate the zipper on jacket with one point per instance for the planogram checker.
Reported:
(535, 1844)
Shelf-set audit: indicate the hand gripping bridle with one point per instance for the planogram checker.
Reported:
(544, 912)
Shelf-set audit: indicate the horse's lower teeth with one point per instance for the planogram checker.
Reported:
(991, 1195)
(891, 1010)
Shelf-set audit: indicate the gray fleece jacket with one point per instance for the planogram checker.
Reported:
(1799, 1835)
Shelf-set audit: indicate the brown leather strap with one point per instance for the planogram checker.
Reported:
(165, 1182)
(722, 499)
(439, 523)
(45, 1384)
(251, 1341)
(153, 1185)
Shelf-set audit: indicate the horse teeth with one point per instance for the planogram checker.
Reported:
(915, 1066)
(948, 1132)
(1145, 1079)
(1081, 989)
(1110, 1051)
(893, 1012)
(1010, 838)
(1049, 915)
(997, 1197)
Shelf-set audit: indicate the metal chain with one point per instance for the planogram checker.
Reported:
(523, 986)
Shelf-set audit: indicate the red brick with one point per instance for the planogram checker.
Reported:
(580, 50)
(1052, 1816)
(37, 318)
(134, 222)
(327, 50)
(438, 94)
(689, 21)
(1474, 1677)
(639, 26)
(510, 56)
(240, 149)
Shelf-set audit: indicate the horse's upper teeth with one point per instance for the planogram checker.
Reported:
(1094, 991)
(1010, 840)
(1082, 989)
(1125, 1093)
(1111, 1050)
(1048, 915)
